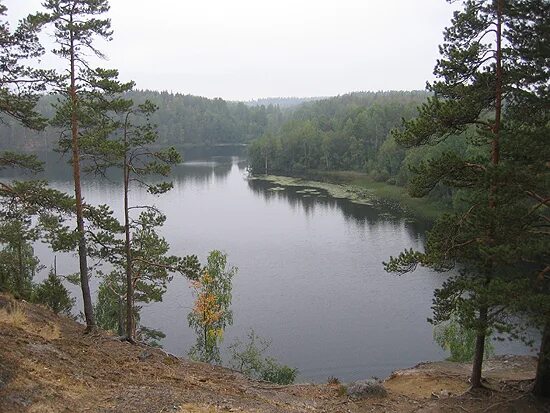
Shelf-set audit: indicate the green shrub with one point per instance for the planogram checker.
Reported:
(248, 358)
(277, 373)
(52, 292)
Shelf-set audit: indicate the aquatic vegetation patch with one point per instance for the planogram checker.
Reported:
(313, 188)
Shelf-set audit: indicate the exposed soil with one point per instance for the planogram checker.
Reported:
(48, 364)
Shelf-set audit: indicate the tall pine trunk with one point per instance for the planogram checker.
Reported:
(130, 329)
(120, 329)
(542, 379)
(477, 365)
(479, 349)
(21, 277)
(82, 250)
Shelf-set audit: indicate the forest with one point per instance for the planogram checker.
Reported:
(180, 120)
(349, 132)
(477, 137)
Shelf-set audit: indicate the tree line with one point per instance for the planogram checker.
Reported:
(350, 133)
(180, 120)
(340, 133)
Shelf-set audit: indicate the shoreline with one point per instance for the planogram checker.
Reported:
(359, 188)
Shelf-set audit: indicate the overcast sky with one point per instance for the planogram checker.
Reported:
(245, 49)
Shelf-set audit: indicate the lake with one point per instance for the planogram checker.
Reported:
(310, 272)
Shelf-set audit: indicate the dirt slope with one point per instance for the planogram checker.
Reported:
(48, 365)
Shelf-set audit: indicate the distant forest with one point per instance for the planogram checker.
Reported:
(283, 102)
(348, 133)
(180, 120)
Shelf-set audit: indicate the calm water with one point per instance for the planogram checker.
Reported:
(310, 270)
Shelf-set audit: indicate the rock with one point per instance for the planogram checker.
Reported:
(363, 389)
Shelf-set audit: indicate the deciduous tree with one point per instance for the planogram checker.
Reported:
(211, 313)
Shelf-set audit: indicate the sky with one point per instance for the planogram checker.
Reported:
(248, 49)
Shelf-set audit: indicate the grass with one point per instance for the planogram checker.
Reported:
(333, 380)
(14, 315)
(49, 331)
(422, 207)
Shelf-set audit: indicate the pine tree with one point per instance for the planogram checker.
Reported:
(24, 205)
(30, 211)
(20, 85)
(126, 143)
(76, 26)
(145, 251)
(52, 292)
(481, 87)
(529, 36)
(19, 265)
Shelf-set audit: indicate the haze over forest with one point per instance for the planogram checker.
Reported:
(246, 49)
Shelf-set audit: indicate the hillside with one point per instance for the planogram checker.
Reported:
(180, 119)
(47, 364)
(343, 133)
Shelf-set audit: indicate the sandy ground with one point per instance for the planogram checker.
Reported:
(47, 364)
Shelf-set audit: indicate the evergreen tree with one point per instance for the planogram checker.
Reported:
(19, 84)
(481, 88)
(52, 292)
(151, 269)
(76, 26)
(19, 264)
(109, 306)
(20, 202)
(147, 265)
(29, 211)
(144, 255)
(529, 34)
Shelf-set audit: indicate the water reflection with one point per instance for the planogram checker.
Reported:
(360, 214)
(202, 172)
(201, 165)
